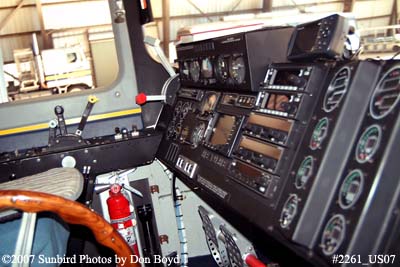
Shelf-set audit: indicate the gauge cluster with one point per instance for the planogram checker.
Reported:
(361, 171)
(316, 140)
(236, 62)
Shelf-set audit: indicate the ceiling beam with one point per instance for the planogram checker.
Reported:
(348, 5)
(393, 16)
(11, 14)
(166, 25)
(267, 6)
(43, 33)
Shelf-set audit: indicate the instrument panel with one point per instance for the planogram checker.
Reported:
(295, 157)
(234, 62)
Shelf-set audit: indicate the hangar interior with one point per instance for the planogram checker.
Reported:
(199, 133)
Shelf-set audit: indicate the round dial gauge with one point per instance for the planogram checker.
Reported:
(289, 211)
(237, 69)
(319, 134)
(222, 69)
(333, 234)
(351, 189)
(386, 94)
(184, 70)
(170, 131)
(206, 68)
(304, 172)
(184, 134)
(194, 70)
(185, 109)
(368, 143)
(337, 89)
(198, 134)
(177, 109)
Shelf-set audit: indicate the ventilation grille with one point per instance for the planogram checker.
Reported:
(172, 153)
(337, 89)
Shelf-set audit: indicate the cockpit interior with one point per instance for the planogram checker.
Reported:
(260, 145)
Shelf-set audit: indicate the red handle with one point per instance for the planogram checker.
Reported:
(141, 99)
(252, 261)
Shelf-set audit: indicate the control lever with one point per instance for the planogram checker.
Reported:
(91, 101)
(59, 111)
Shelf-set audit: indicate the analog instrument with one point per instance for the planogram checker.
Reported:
(289, 211)
(194, 70)
(198, 134)
(319, 134)
(333, 234)
(237, 69)
(222, 69)
(304, 172)
(206, 68)
(351, 189)
(368, 143)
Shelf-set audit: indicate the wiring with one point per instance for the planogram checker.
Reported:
(184, 255)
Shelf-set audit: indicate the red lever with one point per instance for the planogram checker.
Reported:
(142, 99)
(252, 261)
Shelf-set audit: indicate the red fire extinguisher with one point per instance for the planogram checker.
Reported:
(121, 216)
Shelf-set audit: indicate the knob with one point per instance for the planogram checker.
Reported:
(59, 110)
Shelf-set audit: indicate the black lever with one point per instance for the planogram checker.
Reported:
(59, 110)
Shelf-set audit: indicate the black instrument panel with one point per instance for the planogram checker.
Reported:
(267, 157)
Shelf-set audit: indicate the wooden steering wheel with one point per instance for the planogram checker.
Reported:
(71, 212)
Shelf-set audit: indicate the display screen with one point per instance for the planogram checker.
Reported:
(209, 103)
(278, 102)
(248, 170)
(261, 148)
(286, 77)
(270, 122)
(305, 38)
(223, 130)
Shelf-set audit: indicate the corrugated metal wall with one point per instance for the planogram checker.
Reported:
(59, 15)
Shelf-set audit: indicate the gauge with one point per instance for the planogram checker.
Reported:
(185, 109)
(386, 94)
(206, 68)
(368, 143)
(210, 101)
(194, 70)
(304, 172)
(237, 69)
(351, 189)
(333, 234)
(289, 211)
(337, 89)
(198, 134)
(184, 134)
(170, 131)
(184, 70)
(222, 69)
(178, 129)
(319, 134)
(177, 109)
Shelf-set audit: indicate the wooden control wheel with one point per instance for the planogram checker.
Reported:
(71, 212)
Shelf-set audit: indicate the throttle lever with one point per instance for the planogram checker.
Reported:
(91, 101)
